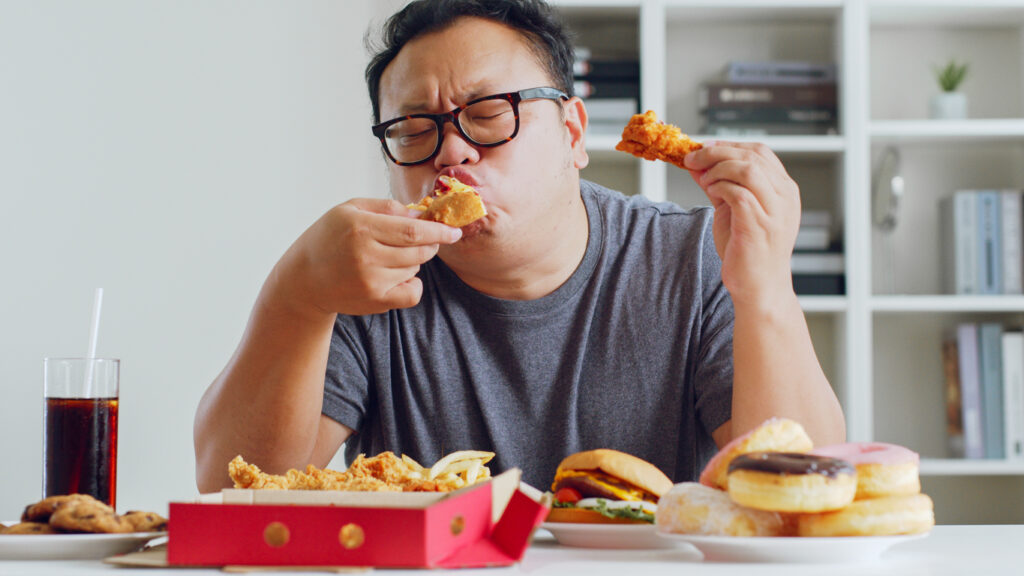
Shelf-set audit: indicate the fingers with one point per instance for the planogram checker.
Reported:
(714, 152)
(390, 223)
(740, 175)
(742, 204)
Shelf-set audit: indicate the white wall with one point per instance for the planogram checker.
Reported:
(168, 152)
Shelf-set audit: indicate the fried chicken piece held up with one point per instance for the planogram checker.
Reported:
(647, 137)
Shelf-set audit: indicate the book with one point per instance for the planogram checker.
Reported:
(1011, 241)
(960, 251)
(801, 115)
(594, 69)
(990, 264)
(817, 262)
(990, 349)
(729, 95)
(813, 238)
(606, 89)
(970, 389)
(768, 129)
(779, 72)
(1013, 394)
(819, 284)
(954, 419)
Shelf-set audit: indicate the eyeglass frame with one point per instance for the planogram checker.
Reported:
(514, 98)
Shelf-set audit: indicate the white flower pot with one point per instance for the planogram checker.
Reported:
(948, 106)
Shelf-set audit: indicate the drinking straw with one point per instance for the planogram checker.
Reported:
(97, 305)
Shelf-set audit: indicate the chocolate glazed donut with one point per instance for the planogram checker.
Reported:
(791, 482)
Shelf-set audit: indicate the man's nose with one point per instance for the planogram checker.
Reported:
(455, 148)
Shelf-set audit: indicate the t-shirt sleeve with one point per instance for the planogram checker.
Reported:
(347, 381)
(714, 371)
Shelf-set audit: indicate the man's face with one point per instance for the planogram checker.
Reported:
(522, 181)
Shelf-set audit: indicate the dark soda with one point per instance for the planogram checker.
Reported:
(80, 447)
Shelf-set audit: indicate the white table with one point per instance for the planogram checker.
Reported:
(965, 550)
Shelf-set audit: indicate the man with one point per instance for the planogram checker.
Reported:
(569, 318)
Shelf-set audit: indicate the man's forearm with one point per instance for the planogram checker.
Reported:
(266, 403)
(776, 373)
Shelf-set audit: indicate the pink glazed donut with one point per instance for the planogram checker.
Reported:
(882, 469)
(773, 435)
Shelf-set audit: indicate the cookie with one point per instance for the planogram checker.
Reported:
(41, 511)
(84, 516)
(145, 521)
(29, 528)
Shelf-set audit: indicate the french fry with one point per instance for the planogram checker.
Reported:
(441, 465)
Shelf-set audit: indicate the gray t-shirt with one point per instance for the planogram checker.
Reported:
(632, 352)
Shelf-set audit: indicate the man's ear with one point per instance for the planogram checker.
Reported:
(576, 122)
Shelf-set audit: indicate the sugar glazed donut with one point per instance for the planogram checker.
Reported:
(887, 516)
(882, 469)
(791, 482)
(692, 508)
(774, 435)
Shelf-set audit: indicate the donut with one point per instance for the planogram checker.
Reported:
(882, 469)
(692, 508)
(886, 516)
(791, 482)
(774, 435)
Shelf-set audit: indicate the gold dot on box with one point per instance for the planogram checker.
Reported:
(351, 536)
(276, 534)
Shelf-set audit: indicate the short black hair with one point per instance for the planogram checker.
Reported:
(541, 25)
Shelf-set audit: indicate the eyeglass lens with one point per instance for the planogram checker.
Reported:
(485, 122)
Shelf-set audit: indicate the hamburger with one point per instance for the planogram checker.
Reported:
(606, 487)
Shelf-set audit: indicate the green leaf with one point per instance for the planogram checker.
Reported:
(951, 75)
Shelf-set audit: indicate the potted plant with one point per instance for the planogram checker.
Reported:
(950, 104)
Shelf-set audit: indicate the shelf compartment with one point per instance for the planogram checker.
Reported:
(721, 32)
(990, 41)
(911, 258)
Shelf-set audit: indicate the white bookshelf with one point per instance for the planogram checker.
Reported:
(880, 342)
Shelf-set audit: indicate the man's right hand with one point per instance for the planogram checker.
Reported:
(361, 257)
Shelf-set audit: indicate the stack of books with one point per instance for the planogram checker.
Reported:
(610, 89)
(818, 264)
(771, 97)
(983, 365)
(982, 246)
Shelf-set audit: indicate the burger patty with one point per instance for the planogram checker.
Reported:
(600, 486)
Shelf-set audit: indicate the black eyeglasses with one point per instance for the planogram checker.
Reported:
(489, 121)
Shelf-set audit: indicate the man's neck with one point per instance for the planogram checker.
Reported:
(525, 266)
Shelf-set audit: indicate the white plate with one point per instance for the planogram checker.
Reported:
(607, 535)
(71, 546)
(791, 549)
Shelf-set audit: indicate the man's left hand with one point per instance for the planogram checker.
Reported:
(757, 216)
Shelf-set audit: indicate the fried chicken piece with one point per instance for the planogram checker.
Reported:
(384, 472)
(452, 202)
(248, 475)
(393, 471)
(647, 137)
